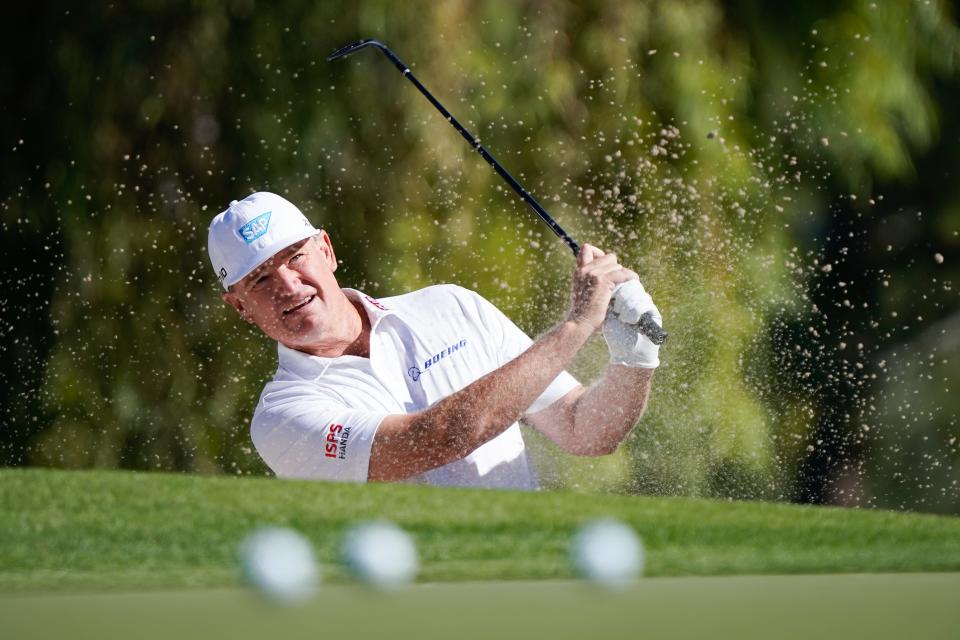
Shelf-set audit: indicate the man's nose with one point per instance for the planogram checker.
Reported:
(288, 279)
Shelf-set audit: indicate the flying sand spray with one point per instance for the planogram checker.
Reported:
(646, 324)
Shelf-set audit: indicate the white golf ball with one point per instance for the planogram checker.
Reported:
(607, 552)
(381, 554)
(280, 564)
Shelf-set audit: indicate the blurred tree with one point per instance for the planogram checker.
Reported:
(734, 154)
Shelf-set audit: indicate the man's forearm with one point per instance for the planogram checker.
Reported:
(484, 409)
(407, 445)
(604, 414)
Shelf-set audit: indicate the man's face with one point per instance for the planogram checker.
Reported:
(294, 297)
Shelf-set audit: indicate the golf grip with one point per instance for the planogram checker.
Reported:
(646, 325)
(649, 327)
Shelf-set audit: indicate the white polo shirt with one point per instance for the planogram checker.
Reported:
(318, 416)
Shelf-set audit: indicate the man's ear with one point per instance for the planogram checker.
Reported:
(326, 247)
(232, 299)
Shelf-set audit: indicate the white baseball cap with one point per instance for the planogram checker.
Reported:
(251, 231)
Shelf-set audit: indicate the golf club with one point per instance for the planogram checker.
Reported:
(647, 325)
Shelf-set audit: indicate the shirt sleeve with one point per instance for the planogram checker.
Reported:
(513, 342)
(300, 433)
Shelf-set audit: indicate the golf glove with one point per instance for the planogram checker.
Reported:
(626, 344)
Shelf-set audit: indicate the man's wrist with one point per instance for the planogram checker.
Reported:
(578, 329)
(630, 370)
(635, 361)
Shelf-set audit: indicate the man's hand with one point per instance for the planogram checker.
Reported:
(626, 344)
(593, 422)
(631, 301)
(596, 276)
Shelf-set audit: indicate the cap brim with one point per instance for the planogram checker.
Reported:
(268, 252)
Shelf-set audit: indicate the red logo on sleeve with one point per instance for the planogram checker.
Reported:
(336, 441)
(375, 303)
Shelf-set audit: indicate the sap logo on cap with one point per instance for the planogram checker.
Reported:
(250, 231)
(255, 228)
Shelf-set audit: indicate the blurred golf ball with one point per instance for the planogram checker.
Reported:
(381, 554)
(608, 553)
(280, 564)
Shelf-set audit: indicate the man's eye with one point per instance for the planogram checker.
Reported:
(260, 280)
(296, 257)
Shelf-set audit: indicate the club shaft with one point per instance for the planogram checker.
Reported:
(486, 155)
(647, 325)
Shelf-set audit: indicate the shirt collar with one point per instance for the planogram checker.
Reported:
(309, 366)
(375, 309)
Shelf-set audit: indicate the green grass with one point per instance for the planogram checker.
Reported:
(117, 530)
(743, 607)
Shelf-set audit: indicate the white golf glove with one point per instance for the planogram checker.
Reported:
(626, 344)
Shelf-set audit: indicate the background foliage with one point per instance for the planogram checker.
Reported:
(783, 178)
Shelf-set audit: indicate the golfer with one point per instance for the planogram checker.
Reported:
(424, 387)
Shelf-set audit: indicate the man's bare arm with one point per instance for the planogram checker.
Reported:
(407, 445)
(594, 421)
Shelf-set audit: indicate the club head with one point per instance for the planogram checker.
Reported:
(349, 49)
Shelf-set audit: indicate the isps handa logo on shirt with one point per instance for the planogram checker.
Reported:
(255, 228)
(336, 441)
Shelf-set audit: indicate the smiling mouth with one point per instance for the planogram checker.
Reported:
(299, 305)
